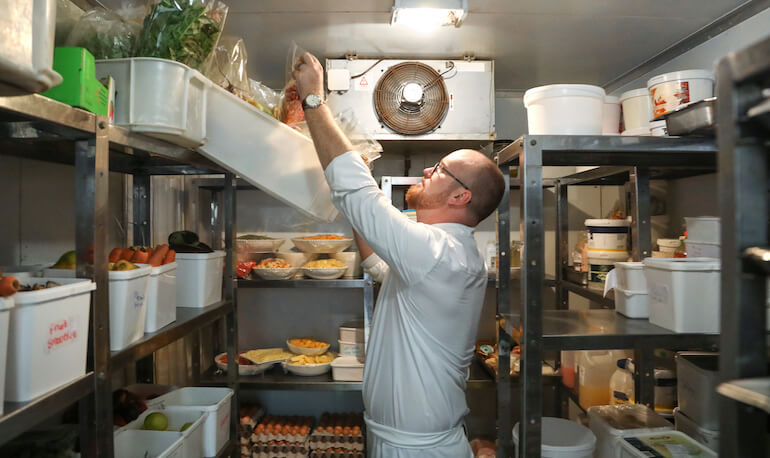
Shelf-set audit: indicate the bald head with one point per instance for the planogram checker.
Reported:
(484, 179)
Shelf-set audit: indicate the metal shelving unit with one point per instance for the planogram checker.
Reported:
(619, 159)
(743, 133)
(36, 127)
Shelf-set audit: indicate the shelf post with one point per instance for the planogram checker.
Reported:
(504, 432)
(230, 294)
(141, 203)
(642, 236)
(562, 243)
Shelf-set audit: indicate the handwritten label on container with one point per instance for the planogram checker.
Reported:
(61, 333)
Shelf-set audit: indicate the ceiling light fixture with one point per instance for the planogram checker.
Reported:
(429, 13)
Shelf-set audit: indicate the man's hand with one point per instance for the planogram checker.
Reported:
(309, 75)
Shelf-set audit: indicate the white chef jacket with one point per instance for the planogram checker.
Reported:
(424, 324)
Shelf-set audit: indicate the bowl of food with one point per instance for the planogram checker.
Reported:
(245, 367)
(322, 243)
(306, 365)
(256, 243)
(306, 346)
(274, 269)
(325, 269)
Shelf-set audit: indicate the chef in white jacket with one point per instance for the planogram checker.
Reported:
(433, 284)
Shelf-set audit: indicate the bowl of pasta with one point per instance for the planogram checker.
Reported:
(322, 243)
(325, 269)
(306, 346)
(306, 365)
(275, 269)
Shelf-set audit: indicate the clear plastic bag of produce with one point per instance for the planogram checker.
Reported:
(108, 34)
(290, 110)
(369, 148)
(265, 99)
(186, 31)
(67, 15)
(227, 67)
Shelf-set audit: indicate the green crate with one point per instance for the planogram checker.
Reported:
(80, 88)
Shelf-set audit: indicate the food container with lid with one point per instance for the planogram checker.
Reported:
(351, 349)
(703, 228)
(611, 116)
(199, 278)
(633, 304)
(707, 437)
(697, 380)
(347, 369)
(562, 439)
(658, 128)
(569, 109)
(660, 444)
(161, 297)
(608, 234)
(631, 276)
(610, 423)
(637, 111)
(671, 90)
(600, 263)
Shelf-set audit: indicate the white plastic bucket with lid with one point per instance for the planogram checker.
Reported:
(569, 109)
(199, 278)
(599, 265)
(703, 228)
(607, 234)
(669, 245)
(128, 305)
(611, 116)
(637, 111)
(6, 304)
(672, 90)
(562, 439)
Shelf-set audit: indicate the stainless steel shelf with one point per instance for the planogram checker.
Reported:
(187, 321)
(751, 391)
(590, 294)
(607, 329)
(21, 416)
(306, 283)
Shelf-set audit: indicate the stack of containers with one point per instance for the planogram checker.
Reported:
(611, 423)
(637, 111)
(199, 279)
(703, 234)
(698, 411)
(192, 436)
(607, 244)
(352, 339)
(631, 298)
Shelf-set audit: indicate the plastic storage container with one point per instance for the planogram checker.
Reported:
(707, 437)
(661, 444)
(287, 166)
(658, 128)
(352, 331)
(161, 297)
(610, 423)
(608, 234)
(594, 372)
(599, 265)
(160, 98)
(637, 111)
(137, 443)
(215, 401)
(703, 249)
(347, 369)
(26, 47)
(633, 304)
(631, 276)
(562, 439)
(199, 278)
(570, 109)
(351, 349)
(669, 246)
(192, 442)
(48, 337)
(611, 116)
(6, 304)
(672, 90)
(128, 305)
(697, 380)
(684, 293)
(703, 229)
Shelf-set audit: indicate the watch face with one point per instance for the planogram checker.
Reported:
(313, 100)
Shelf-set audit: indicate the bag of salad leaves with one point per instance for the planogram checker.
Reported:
(108, 34)
(186, 31)
(227, 67)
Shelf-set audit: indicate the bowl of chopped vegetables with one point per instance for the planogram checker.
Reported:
(255, 243)
(325, 269)
(322, 243)
(275, 269)
(307, 346)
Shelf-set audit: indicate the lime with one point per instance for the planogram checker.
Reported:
(186, 425)
(156, 421)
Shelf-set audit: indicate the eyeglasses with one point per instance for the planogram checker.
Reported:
(440, 166)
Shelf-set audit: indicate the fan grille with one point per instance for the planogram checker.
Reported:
(407, 118)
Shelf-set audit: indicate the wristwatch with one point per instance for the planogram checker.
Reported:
(312, 101)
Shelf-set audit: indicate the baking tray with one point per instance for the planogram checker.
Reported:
(697, 118)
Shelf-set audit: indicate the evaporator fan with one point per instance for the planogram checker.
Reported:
(411, 98)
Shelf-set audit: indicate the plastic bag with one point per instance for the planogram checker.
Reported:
(227, 67)
(67, 15)
(290, 110)
(186, 31)
(108, 34)
(264, 98)
(369, 148)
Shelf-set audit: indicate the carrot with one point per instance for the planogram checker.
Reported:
(157, 256)
(115, 254)
(128, 253)
(140, 256)
(8, 286)
(149, 250)
(170, 257)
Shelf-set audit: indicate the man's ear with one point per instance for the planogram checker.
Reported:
(461, 198)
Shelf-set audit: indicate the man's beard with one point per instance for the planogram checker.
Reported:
(417, 199)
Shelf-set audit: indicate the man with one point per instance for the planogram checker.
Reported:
(433, 283)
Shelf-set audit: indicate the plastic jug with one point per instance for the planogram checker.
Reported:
(594, 373)
(622, 383)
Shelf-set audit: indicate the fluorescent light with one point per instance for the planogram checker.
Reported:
(429, 13)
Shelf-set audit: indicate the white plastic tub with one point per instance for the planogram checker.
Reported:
(684, 293)
(696, 391)
(697, 249)
(26, 44)
(161, 297)
(160, 98)
(285, 166)
(658, 128)
(562, 439)
(570, 109)
(192, 437)
(599, 265)
(48, 337)
(215, 401)
(672, 90)
(6, 304)
(351, 349)
(661, 444)
(347, 369)
(610, 423)
(199, 278)
(669, 245)
(703, 228)
(637, 111)
(633, 304)
(352, 331)
(608, 234)
(611, 116)
(137, 443)
(631, 276)
(707, 437)
(128, 305)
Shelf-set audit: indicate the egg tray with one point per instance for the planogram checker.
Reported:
(250, 416)
(346, 442)
(284, 450)
(336, 454)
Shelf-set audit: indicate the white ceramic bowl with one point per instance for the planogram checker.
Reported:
(244, 369)
(329, 273)
(307, 351)
(275, 273)
(258, 246)
(307, 369)
(297, 258)
(321, 246)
